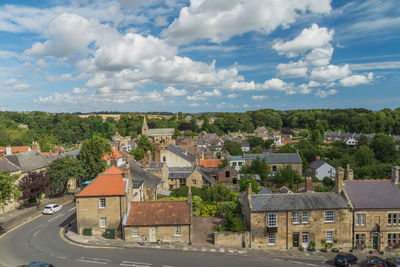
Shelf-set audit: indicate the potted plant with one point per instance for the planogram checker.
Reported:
(301, 248)
(311, 247)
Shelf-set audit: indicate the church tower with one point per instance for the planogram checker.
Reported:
(145, 128)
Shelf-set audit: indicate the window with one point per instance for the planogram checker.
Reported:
(271, 239)
(102, 203)
(390, 219)
(177, 230)
(171, 186)
(394, 219)
(194, 182)
(227, 174)
(296, 218)
(272, 220)
(240, 163)
(360, 239)
(164, 159)
(329, 236)
(389, 239)
(135, 232)
(234, 164)
(360, 219)
(305, 217)
(274, 168)
(329, 216)
(103, 222)
(305, 237)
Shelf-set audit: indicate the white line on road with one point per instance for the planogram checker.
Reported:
(296, 262)
(35, 234)
(72, 209)
(55, 218)
(62, 257)
(94, 260)
(135, 264)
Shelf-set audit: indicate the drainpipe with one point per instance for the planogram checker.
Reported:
(352, 230)
(287, 230)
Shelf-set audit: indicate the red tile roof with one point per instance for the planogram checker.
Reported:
(174, 212)
(105, 185)
(115, 154)
(17, 149)
(113, 170)
(210, 163)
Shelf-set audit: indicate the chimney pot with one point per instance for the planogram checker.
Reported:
(339, 180)
(396, 174)
(249, 190)
(127, 173)
(308, 184)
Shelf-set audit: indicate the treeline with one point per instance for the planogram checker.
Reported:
(68, 129)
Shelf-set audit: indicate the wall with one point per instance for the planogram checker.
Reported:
(227, 180)
(164, 233)
(323, 171)
(88, 213)
(232, 239)
(173, 160)
(195, 179)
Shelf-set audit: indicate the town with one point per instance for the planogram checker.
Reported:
(266, 189)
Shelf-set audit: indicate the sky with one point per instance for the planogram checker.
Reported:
(198, 55)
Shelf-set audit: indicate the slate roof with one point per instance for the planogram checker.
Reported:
(181, 153)
(316, 164)
(155, 165)
(265, 190)
(158, 213)
(29, 161)
(272, 158)
(149, 179)
(161, 131)
(6, 165)
(74, 152)
(297, 201)
(206, 174)
(105, 185)
(180, 172)
(373, 194)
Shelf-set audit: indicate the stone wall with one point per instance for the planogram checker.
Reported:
(232, 239)
(165, 234)
(173, 160)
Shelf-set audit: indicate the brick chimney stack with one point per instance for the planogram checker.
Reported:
(144, 162)
(36, 146)
(339, 180)
(396, 174)
(2, 153)
(349, 173)
(249, 190)
(127, 173)
(317, 158)
(308, 184)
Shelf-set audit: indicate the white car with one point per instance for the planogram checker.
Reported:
(51, 208)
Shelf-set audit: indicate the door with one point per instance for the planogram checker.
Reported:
(296, 240)
(305, 240)
(375, 242)
(152, 235)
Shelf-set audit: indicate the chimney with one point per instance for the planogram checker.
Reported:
(349, 173)
(249, 190)
(129, 158)
(2, 153)
(148, 156)
(202, 153)
(317, 158)
(36, 146)
(56, 150)
(308, 186)
(396, 174)
(8, 150)
(339, 180)
(144, 162)
(127, 173)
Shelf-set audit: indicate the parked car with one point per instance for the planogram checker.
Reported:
(345, 259)
(39, 264)
(375, 261)
(51, 208)
(393, 262)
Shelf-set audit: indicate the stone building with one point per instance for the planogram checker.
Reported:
(284, 221)
(158, 221)
(160, 135)
(174, 156)
(376, 210)
(187, 176)
(227, 175)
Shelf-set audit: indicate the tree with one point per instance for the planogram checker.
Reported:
(363, 140)
(33, 186)
(268, 143)
(91, 156)
(63, 169)
(286, 175)
(255, 141)
(234, 148)
(328, 183)
(244, 184)
(8, 189)
(257, 166)
(384, 147)
(224, 163)
(364, 156)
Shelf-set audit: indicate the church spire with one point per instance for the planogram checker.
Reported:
(145, 128)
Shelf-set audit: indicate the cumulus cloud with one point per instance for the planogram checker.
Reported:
(310, 38)
(172, 91)
(322, 94)
(78, 91)
(357, 80)
(231, 96)
(271, 84)
(199, 95)
(293, 69)
(14, 85)
(330, 73)
(219, 20)
(259, 97)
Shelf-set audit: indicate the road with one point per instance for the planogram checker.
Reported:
(39, 240)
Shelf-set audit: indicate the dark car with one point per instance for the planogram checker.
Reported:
(345, 259)
(393, 262)
(39, 264)
(375, 262)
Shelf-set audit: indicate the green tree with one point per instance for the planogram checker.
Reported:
(363, 140)
(286, 175)
(244, 184)
(255, 141)
(364, 156)
(91, 156)
(384, 147)
(8, 189)
(224, 163)
(257, 166)
(234, 148)
(63, 169)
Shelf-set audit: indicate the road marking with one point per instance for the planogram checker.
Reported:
(73, 243)
(167, 266)
(56, 217)
(35, 234)
(62, 257)
(277, 259)
(72, 209)
(311, 264)
(296, 262)
(12, 229)
(134, 264)
(94, 260)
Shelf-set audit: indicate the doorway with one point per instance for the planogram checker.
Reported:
(305, 240)
(152, 235)
(296, 240)
(375, 242)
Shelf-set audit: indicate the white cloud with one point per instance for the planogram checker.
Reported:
(330, 73)
(357, 80)
(14, 85)
(161, 21)
(293, 69)
(41, 63)
(259, 97)
(199, 95)
(271, 84)
(310, 38)
(194, 105)
(172, 91)
(376, 65)
(323, 94)
(319, 56)
(219, 20)
(231, 96)
(214, 92)
(65, 77)
(78, 90)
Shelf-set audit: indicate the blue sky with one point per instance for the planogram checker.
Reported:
(199, 55)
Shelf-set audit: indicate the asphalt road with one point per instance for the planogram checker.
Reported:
(39, 240)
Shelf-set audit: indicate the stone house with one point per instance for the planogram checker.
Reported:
(152, 184)
(227, 175)
(174, 156)
(376, 210)
(102, 204)
(5, 165)
(158, 221)
(161, 135)
(285, 221)
(187, 176)
(114, 158)
(320, 169)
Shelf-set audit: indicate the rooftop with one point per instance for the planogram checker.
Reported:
(105, 185)
(161, 131)
(29, 161)
(272, 158)
(181, 153)
(210, 163)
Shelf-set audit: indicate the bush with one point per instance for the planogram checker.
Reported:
(219, 228)
(323, 249)
(336, 250)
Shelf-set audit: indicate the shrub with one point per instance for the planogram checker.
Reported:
(218, 228)
(323, 250)
(336, 250)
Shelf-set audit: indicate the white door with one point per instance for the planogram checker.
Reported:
(305, 240)
(152, 234)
